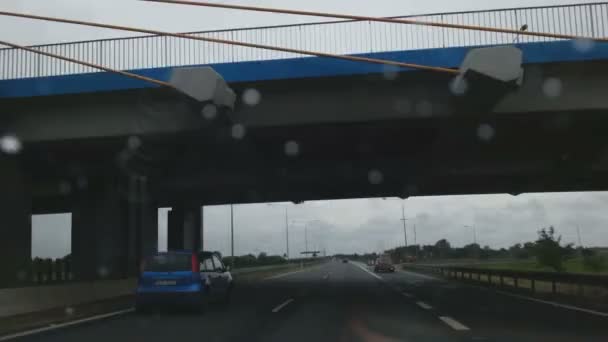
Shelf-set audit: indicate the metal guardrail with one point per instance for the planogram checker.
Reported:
(338, 37)
(489, 275)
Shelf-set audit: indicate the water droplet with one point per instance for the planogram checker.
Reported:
(21, 275)
(390, 72)
(133, 143)
(552, 87)
(375, 177)
(65, 187)
(292, 148)
(583, 45)
(485, 132)
(10, 144)
(403, 106)
(209, 111)
(82, 182)
(252, 97)
(459, 86)
(69, 311)
(424, 108)
(103, 271)
(238, 131)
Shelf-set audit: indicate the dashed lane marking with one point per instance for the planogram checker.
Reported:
(424, 305)
(454, 324)
(408, 295)
(282, 305)
(368, 271)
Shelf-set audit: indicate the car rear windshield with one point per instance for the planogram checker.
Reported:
(168, 263)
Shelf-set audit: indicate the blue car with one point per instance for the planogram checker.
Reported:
(182, 278)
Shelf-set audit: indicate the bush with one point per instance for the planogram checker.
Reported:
(594, 263)
(548, 250)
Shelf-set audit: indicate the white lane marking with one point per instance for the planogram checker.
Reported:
(282, 305)
(408, 295)
(424, 305)
(284, 274)
(454, 324)
(563, 306)
(64, 325)
(281, 275)
(368, 271)
(419, 275)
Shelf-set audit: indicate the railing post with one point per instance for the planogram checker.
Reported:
(478, 276)
(553, 287)
(515, 282)
(533, 285)
(502, 281)
(490, 278)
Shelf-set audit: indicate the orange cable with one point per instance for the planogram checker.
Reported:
(230, 42)
(95, 66)
(378, 19)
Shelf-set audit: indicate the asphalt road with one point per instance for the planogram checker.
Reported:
(344, 302)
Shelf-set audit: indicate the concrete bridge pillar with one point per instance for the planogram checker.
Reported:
(113, 226)
(15, 224)
(185, 227)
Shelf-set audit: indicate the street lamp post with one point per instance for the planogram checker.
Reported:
(232, 235)
(404, 226)
(474, 233)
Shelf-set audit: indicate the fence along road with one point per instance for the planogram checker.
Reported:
(337, 37)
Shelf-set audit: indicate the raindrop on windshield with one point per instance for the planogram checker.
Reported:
(82, 182)
(10, 144)
(209, 111)
(459, 86)
(133, 143)
(583, 44)
(252, 97)
(65, 187)
(103, 271)
(390, 72)
(424, 108)
(292, 148)
(21, 275)
(485, 132)
(375, 177)
(552, 87)
(403, 106)
(238, 131)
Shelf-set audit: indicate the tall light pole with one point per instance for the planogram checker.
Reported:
(404, 227)
(232, 234)
(287, 232)
(474, 233)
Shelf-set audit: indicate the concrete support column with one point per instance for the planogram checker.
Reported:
(142, 222)
(15, 224)
(114, 225)
(185, 227)
(100, 234)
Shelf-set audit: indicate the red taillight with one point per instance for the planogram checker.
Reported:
(195, 265)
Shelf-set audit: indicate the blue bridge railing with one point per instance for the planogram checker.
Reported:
(339, 37)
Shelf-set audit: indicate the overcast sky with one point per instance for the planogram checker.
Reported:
(342, 226)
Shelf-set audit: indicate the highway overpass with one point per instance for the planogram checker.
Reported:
(112, 150)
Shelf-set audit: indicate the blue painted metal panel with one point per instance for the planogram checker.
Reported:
(309, 67)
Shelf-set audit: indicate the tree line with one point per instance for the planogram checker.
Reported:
(548, 250)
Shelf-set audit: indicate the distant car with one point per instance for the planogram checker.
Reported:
(384, 267)
(345, 260)
(182, 278)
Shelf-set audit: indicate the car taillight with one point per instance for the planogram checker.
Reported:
(195, 265)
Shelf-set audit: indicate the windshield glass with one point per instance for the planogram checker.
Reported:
(168, 263)
(321, 170)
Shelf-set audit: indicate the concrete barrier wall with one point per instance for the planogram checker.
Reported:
(36, 298)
